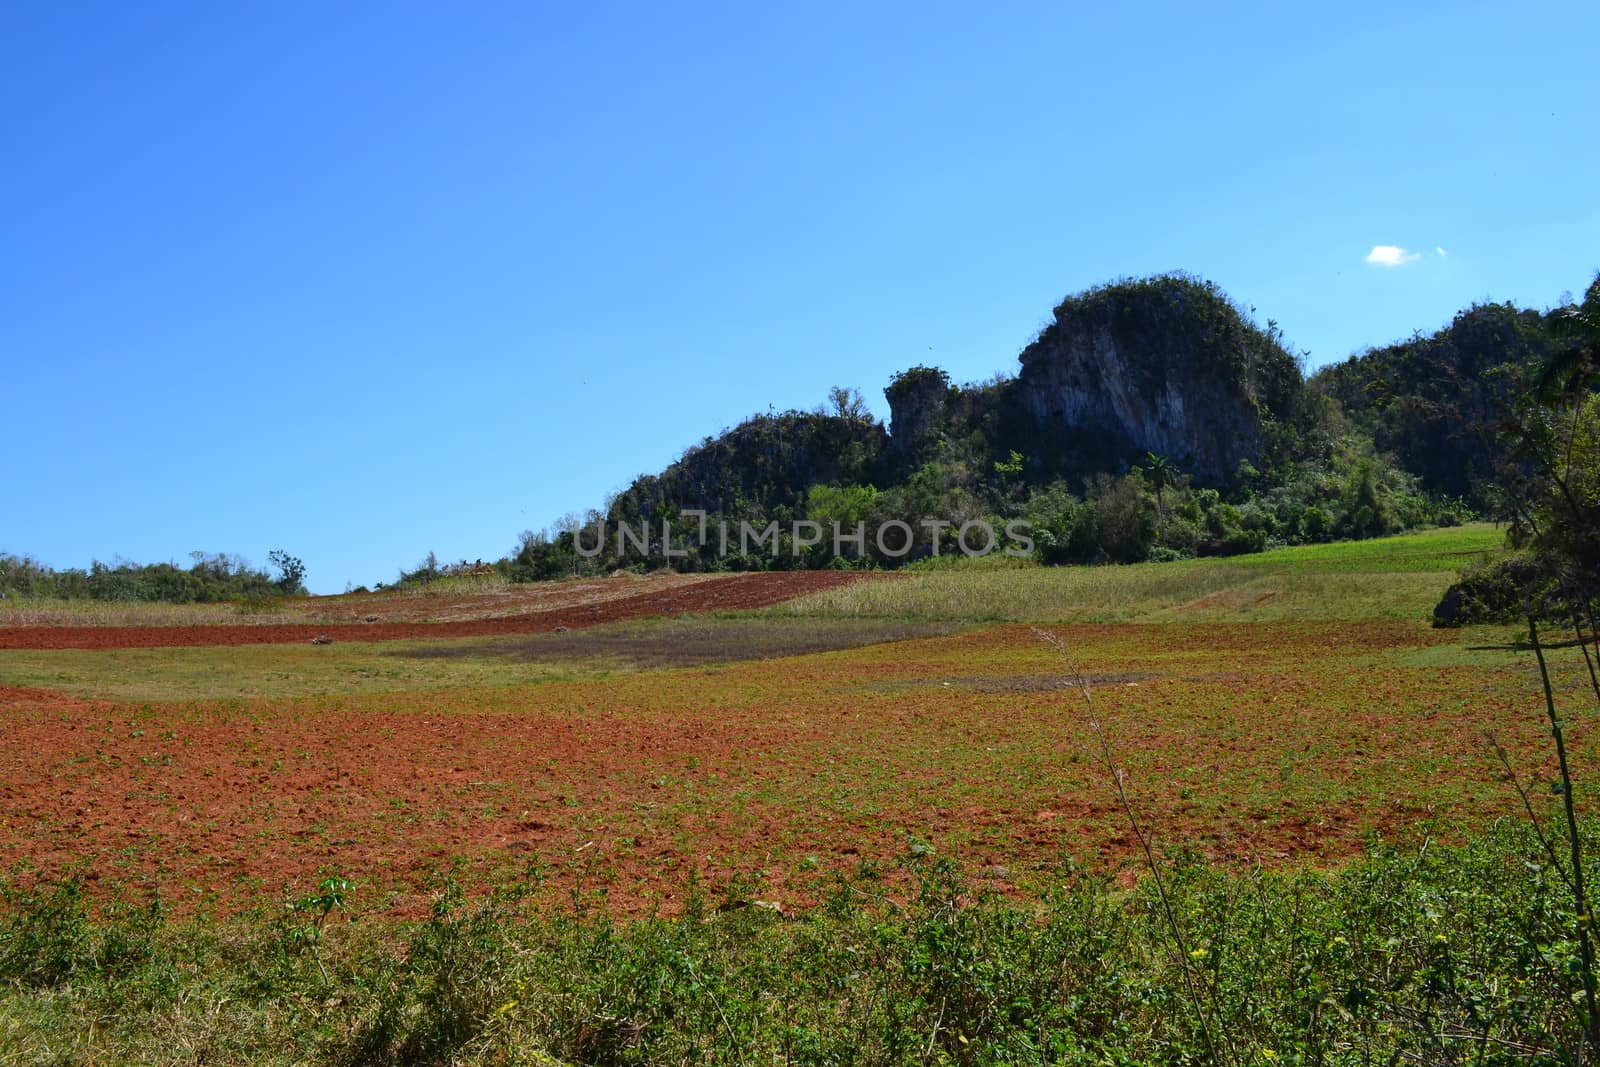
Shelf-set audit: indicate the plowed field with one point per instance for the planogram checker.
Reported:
(734, 593)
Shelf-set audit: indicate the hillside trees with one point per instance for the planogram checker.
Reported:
(1549, 483)
(1438, 402)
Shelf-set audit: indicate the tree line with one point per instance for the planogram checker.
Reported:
(209, 578)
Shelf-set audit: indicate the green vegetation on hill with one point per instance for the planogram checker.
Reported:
(1549, 482)
(1151, 420)
(764, 467)
(1439, 402)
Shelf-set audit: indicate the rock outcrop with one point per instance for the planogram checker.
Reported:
(1166, 365)
(918, 410)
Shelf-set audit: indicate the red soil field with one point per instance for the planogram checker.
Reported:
(733, 593)
(1252, 743)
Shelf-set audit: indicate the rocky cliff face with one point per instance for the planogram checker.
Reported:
(1167, 366)
(918, 410)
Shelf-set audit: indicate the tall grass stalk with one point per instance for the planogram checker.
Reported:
(1583, 924)
(1108, 757)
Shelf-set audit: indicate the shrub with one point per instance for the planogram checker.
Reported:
(1498, 591)
(1124, 518)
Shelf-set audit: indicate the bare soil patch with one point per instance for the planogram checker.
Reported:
(20, 695)
(689, 641)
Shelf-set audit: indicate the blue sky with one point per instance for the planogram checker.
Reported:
(363, 281)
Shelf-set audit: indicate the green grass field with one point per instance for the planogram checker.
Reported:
(1392, 577)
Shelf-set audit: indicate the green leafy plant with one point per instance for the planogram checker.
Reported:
(312, 912)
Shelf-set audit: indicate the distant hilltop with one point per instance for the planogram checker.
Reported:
(1150, 418)
(1165, 365)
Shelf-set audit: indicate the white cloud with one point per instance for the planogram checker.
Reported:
(1442, 252)
(1391, 256)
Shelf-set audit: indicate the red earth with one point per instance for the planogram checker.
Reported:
(1251, 742)
(734, 593)
(635, 783)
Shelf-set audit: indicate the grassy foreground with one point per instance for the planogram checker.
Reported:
(1426, 953)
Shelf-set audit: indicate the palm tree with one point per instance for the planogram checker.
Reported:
(1162, 474)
